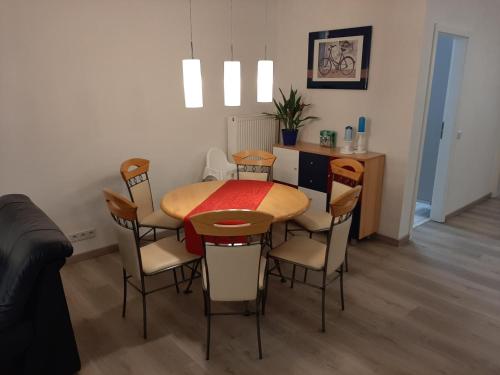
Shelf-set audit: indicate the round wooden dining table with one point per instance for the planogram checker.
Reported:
(281, 201)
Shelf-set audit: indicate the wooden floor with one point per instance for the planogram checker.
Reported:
(432, 307)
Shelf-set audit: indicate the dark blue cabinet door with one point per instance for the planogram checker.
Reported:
(313, 171)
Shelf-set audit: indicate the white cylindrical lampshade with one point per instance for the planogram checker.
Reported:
(232, 83)
(265, 81)
(193, 88)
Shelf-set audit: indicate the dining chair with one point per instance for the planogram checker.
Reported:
(138, 262)
(312, 255)
(233, 268)
(135, 174)
(254, 165)
(347, 173)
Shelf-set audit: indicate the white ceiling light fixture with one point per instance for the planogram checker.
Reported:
(191, 74)
(232, 74)
(265, 72)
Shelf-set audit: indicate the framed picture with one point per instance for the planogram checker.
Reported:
(339, 59)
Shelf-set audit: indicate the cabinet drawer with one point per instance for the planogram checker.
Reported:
(286, 166)
(313, 171)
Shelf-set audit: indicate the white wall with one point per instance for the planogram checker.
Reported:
(87, 84)
(390, 99)
(474, 158)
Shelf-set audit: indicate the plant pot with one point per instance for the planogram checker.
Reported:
(289, 136)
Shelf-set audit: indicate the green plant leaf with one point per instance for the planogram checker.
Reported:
(310, 118)
(283, 96)
(289, 110)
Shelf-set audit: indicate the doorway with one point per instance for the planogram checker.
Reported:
(439, 128)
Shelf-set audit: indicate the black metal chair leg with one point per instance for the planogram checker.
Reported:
(271, 236)
(144, 317)
(283, 280)
(154, 234)
(323, 296)
(183, 274)
(208, 328)
(305, 275)
(323, 328)
(178, 234)
(257, 315)
(342, 287)
(266, 283)
(293, 275)
(176, 281)
(286, 231)
(310, 234)
(124, 293)
(193, 271)
(205, 304)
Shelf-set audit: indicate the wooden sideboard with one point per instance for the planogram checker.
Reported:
(307, 167)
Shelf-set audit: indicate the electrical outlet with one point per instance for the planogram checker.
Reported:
(82, 236)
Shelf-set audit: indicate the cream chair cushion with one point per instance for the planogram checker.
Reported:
(338, 245)
(159, 219)
(338, 189)
(303, 251)
(310, 253)
(128, 251)
(163, 254)
(141, 195)
(262, 272)
(314, 221)
(259, 176)
(233, 272)
(319, 221)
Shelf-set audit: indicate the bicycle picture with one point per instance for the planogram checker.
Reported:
(337, 59)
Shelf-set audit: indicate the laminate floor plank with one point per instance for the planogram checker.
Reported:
(430, 307)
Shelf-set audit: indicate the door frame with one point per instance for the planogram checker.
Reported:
(445, 150)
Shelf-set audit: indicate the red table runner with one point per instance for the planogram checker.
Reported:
(234, 194)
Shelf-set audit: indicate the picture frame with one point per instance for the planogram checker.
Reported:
(339, 59)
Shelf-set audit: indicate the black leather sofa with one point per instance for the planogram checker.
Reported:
(36, 336)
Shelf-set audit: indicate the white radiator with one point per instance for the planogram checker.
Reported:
(256, 132)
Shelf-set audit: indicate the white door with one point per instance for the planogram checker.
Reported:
(450, 133)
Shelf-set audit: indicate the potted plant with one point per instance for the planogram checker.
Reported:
(289, 113)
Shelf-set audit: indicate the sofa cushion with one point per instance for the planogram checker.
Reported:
(14, 341)
(29, 240)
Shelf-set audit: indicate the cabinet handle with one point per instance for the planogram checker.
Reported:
(311, 163)
(310, 181)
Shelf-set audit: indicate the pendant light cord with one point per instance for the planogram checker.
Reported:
(231, 27)
(191, 28)
(265, 31)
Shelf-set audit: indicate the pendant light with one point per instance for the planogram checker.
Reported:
(265, 73)
(232, 74)
(191, 74)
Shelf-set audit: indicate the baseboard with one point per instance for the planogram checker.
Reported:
(113, 248)
(92, 254)
(466, 207)
(393, 241)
